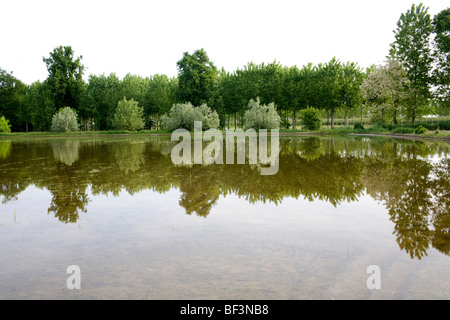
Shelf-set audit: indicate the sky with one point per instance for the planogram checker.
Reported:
(149, 37)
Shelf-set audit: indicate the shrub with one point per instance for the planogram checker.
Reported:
(310, 118)
(65, 120)
(260, 116)
(358, 126)
(4, 125)
(420, 129)
(183, 115)
(403, 130)
(129, 116)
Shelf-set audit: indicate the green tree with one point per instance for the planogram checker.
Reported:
(160, 96)
(129, 116)
(12, 93)
(441, 73)
(412, 48)
(39, 105)
(328, 87)
(196, 77)
(102, 94)
(65, 77)
(311, 118)
(351, 79)
(5, 127)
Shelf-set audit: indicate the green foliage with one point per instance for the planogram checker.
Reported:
(358, 126)
(420, 129)
(65, 121)
(441, 73)
(403, 130)
(129, 116)
(5, 127)
(12, 92)
(260, 116)
(196, 77)
(65, 77)
(310, 118)
(183, 115)
(412, 49)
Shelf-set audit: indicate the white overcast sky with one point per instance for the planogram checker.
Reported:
(149, 37)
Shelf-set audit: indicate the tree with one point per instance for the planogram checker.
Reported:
(160, 96)
(64, 79)
(65, 121)
(12, 92)
(102, 94)
(328, 90)
(5, 127)
(311, 119)
(441, 25)
(412, 49)
(260, 116)
(384, 90)
(183, 116)
(197, 76)
(351, 79)
(129, 116)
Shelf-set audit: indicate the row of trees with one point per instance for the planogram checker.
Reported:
(414, 80)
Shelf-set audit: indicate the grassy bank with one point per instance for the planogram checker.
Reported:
(338, 130)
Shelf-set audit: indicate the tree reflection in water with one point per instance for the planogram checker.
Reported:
(404, 175)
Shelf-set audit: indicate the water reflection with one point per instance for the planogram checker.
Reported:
(411, 178)
(66, 151)
(5, 149)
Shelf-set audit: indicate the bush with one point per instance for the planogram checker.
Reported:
(65, 120)
(260, 116)
(420, 129)
(358, 126)
(310, 118)
(183, 115)
(129, 116)
(5, 127)
(403, 130)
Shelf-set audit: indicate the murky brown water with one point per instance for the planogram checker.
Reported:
(140, 227)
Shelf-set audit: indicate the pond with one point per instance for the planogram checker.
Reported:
(139, 227)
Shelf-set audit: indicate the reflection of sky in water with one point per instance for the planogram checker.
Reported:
(145, 246)
(132, 242)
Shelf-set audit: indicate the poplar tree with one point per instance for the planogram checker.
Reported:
(412, 48)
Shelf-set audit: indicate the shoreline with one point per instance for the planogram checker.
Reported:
(164, 134)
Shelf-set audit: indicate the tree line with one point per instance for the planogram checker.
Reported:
(414, 81)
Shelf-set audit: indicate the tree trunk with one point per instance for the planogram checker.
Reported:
(235, 120)
(328, 119)
(332, 119)
(346, 116)
(294, 121)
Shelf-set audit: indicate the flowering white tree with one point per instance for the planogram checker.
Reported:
(384, 90)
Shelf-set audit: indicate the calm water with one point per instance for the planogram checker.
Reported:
(139, 227)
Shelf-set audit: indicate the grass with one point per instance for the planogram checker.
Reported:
(324, 130)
